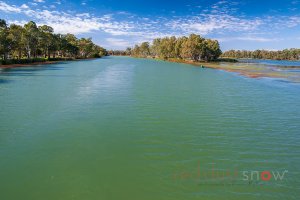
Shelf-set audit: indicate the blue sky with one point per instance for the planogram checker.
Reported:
(244, 24)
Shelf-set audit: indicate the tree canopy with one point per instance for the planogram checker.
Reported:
(286, 54)
(194, 48)
(32, 41)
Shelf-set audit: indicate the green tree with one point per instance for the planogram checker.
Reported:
(128, 51)
(16, 37)
(155, 49)
(85, 47)
(72, 45)
(193, 48)
(178, 46)
(31, 38)
(46, 39)
(4, 39)
(212, 50)
(145, 49)
(136, 50)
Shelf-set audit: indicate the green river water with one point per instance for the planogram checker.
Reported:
(121, 128)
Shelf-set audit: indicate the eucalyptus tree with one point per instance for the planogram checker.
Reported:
(102, 51)
(4, 39)
(46, 39)
(128, 51)
(170, 47)
(155, 48)
(145, 49)
(165, 48)
(136, 51)
(33, 42)
(85, 47)
(193, 48)
(72, 45)
(178, 46)
(212, 50)
(31, 38)
(16, 37)
(286, 54)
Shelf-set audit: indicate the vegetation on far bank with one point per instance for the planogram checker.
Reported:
(286, 54)
(31, 43)
(194, 48)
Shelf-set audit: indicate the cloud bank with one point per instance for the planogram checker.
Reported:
(219, 19)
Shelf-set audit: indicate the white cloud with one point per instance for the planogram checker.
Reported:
(293, 21)
(32, 3)
(24, 6)
(39, 1)
(219, 19)
(119, 43)
(22, 22)
(9, 8)
(66, 23)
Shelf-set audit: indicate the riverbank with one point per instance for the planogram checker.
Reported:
(215, 65)
(45, 62)
(242, 70)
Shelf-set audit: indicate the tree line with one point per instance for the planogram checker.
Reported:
(193, 47)
(32, 41)
(286, 54)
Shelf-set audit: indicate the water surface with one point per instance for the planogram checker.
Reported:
(124, 128)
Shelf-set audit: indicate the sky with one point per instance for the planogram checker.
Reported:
(244, 24)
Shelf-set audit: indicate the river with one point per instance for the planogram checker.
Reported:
(123, 128)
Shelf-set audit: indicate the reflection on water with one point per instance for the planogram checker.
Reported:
(111, 79)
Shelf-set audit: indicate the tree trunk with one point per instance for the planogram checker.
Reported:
(5, 56)
(20, 54)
